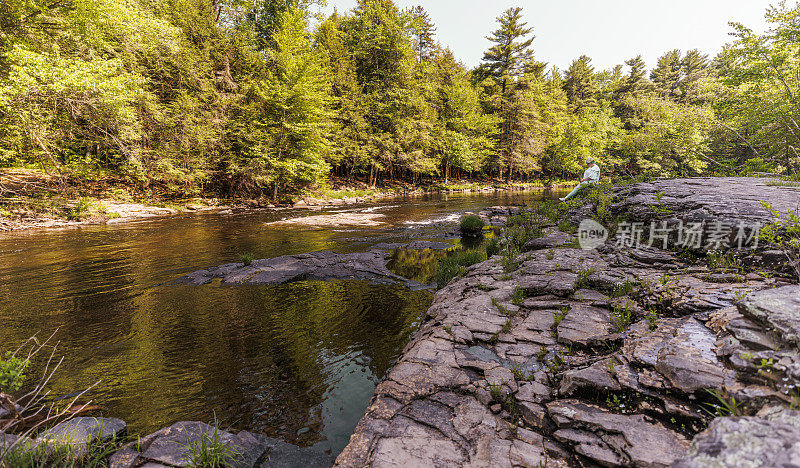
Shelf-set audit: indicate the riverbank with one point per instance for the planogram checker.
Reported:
(38, 203)
(624, 355)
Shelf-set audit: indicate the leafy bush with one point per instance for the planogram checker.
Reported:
(12, 372)
(456, 263)
(246, 258)
(471, 225)
(492, 248)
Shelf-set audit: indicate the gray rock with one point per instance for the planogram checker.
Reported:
(772, 441)
(615, 439)
(82, 431)
(585, 325)
(317, 266)
(778, 308)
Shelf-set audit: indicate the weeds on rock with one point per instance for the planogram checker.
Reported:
(551, 254)
(784, 234)
(726, 406)
(518, 371)
(621, 318)
(725, 262)
(518, 296)
(495, 391)
(556, 364)
(61, 454)
(623, 289)
(510, 259)
(652, 321)
(209, 451)
(558, 316)
(583, 276)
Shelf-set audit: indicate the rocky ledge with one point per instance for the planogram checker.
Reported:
(316, 266)
(615, 357)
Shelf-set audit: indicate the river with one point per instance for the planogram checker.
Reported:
(297, 362)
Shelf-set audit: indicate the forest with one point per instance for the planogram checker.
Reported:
(265, 98)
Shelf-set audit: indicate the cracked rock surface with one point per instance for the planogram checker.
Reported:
(614, 357)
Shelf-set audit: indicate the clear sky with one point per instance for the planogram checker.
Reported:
(609, 31)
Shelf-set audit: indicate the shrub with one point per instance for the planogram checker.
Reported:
(246, 258)
(12, 372)
(493, 247)
(471, 225)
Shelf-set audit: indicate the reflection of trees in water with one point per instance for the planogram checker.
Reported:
(416, 264)
(258, 357)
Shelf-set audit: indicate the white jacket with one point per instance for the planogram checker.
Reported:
(592, 173)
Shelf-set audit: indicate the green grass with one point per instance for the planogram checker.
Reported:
(493, 247)
(60, 454)
(208, 451)
(455, 264)
(246, 258)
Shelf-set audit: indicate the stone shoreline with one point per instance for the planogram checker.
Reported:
(559, 378)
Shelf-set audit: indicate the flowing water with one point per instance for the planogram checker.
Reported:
(297, 362)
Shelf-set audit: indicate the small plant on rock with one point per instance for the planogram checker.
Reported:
(558, 316)
(725, 406)
(246, 258)
(518, 371)
(652, 320)
(517, 296)
(621, 318)
(583, 276)
(209, 451)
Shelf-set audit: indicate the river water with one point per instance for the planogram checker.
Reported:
(298, 362)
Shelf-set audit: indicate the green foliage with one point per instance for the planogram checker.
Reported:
(471, 225)
(246, 258)
(61, 454)
(493, 247)
(12, 372)
(455, 264)
(517, 296)
(724, 406)
(621, 318)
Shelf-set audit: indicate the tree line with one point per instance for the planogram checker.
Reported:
(262, 97)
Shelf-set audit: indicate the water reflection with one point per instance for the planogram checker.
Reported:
(297, 361)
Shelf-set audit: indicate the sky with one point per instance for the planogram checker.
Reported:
(608, 31)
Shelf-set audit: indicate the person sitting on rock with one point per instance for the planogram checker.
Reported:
(590, 177)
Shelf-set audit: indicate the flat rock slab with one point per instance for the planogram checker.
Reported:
(317, 266)
(585, 325)
(615, 439)
(334, 220)
(779, 308)
(706, 199)
(773, 440)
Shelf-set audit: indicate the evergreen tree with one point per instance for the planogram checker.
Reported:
(505, 61)
(580, 84)
(286, 119)
(666, 76)
(425, 33)
(694, 68)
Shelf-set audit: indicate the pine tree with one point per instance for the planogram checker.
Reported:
(635, 82)
(694, 67)
(666, 76)
(425, 32)
(580, 84)
(505, 61)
